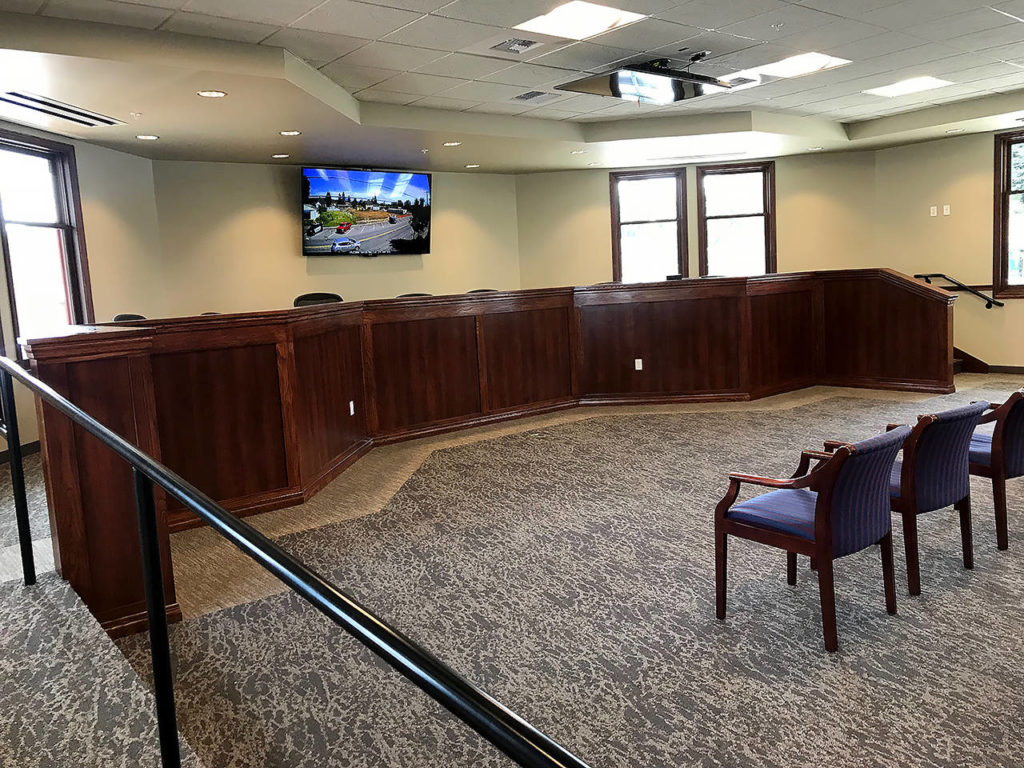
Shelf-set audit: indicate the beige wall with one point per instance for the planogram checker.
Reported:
(231, 241)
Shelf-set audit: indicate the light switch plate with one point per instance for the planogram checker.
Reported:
(639, 363)
(351, 407)
(934, 210)
(946, 210)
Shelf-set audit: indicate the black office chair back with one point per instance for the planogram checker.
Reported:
(124, 317)
(411, 295)
(483, 290)
(312, 299)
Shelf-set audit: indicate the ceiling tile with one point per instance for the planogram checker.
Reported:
(830, 35)
(423, 6)
(548, 113)
(280, 12)
(878, 45)
(714, 14)
(909, 13)
(646, 34)
(424, 85)
(586, 102)
(849, 8)
(214, 26)
(779, 23)
(441, 33)
(175, 4)
(109, 12)
(531, 75)
(444, 102)
(314, 45)
(718, 43)
(480, 91)
(391, 56)
(464, 65)
(959, 24)
(21, 6)
(501, 13)
(585, 56)
(500, 109)
(355, 78)
(1011, 35)
(344, 17)
(385, 97)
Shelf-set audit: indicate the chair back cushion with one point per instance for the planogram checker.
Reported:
(941, 474)
(1013, 440)
(860, 495)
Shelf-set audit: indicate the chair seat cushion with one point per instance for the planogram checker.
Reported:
(789, 511)
(895, 477)
(981, 448)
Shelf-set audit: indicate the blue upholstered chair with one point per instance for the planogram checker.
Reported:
(839, 508)
(933, 474)
(1000, 456)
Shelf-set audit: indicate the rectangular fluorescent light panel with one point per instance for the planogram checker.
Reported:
(577, 20)
(905, 87)
(802, 64)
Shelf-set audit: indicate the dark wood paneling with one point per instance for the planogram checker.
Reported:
(875, 331)
(526, 357)
(782, 340)
(219, 417)
(424, 371)
(329, 373)
(686, 346)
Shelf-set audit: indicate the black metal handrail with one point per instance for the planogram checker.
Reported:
(990, 301)
(503, 728)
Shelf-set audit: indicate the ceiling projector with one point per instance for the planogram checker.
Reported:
(652, 82)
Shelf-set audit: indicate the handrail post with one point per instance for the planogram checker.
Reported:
(10, 413)
(159, 643)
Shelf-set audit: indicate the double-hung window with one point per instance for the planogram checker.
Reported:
(44, 265)
(736, 216)
(648, 225)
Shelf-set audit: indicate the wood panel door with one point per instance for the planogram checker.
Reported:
(526, 357)
(424, 371)
(687, 347)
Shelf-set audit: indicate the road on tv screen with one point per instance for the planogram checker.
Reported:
(372, 236)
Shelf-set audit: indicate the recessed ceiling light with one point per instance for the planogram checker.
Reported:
(952, 131)
(211, 94)
(577, 20)
(473, 165)
(147, 137)
(578, 152)
(815, 149)
(280, 157)
(291, 133)
(904, 87)
(452, 144)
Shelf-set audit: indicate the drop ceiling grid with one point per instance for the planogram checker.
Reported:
(428, 52)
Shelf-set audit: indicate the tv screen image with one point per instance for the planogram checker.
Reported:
(347, 212)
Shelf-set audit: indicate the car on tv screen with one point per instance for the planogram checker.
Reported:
(378, 212)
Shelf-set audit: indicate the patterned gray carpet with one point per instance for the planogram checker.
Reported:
(39, 521)
(68, 699)
(569, 571)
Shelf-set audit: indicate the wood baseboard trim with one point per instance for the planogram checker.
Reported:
(336, 467)
(1011, 369)
(182, 519)
(134, 623)
(724, 397)
(26, 450)
(476, 420)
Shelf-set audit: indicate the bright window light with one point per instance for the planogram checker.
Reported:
(913, 85)
(577, 20)
(803, 64)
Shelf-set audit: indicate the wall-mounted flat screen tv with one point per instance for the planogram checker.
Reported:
(349, 212)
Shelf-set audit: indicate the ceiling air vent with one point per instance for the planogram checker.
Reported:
(516, 45)
(535, 97)
(58, 109)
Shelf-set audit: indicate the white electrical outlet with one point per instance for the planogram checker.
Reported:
(946, 210)
(351, 407)
(934, 210)
(639, 363)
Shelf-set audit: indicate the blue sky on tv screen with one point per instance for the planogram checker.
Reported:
(385, 185)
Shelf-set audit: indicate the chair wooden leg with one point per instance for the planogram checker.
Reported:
(721, 553)
(827, 590)
(910, 545)
(888, 572)
(964, 507)
(791, 568)
(999, 493)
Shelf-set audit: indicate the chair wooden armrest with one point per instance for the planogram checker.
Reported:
(769, 482)
(806, 457)
(834, 445)
(989, 416)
